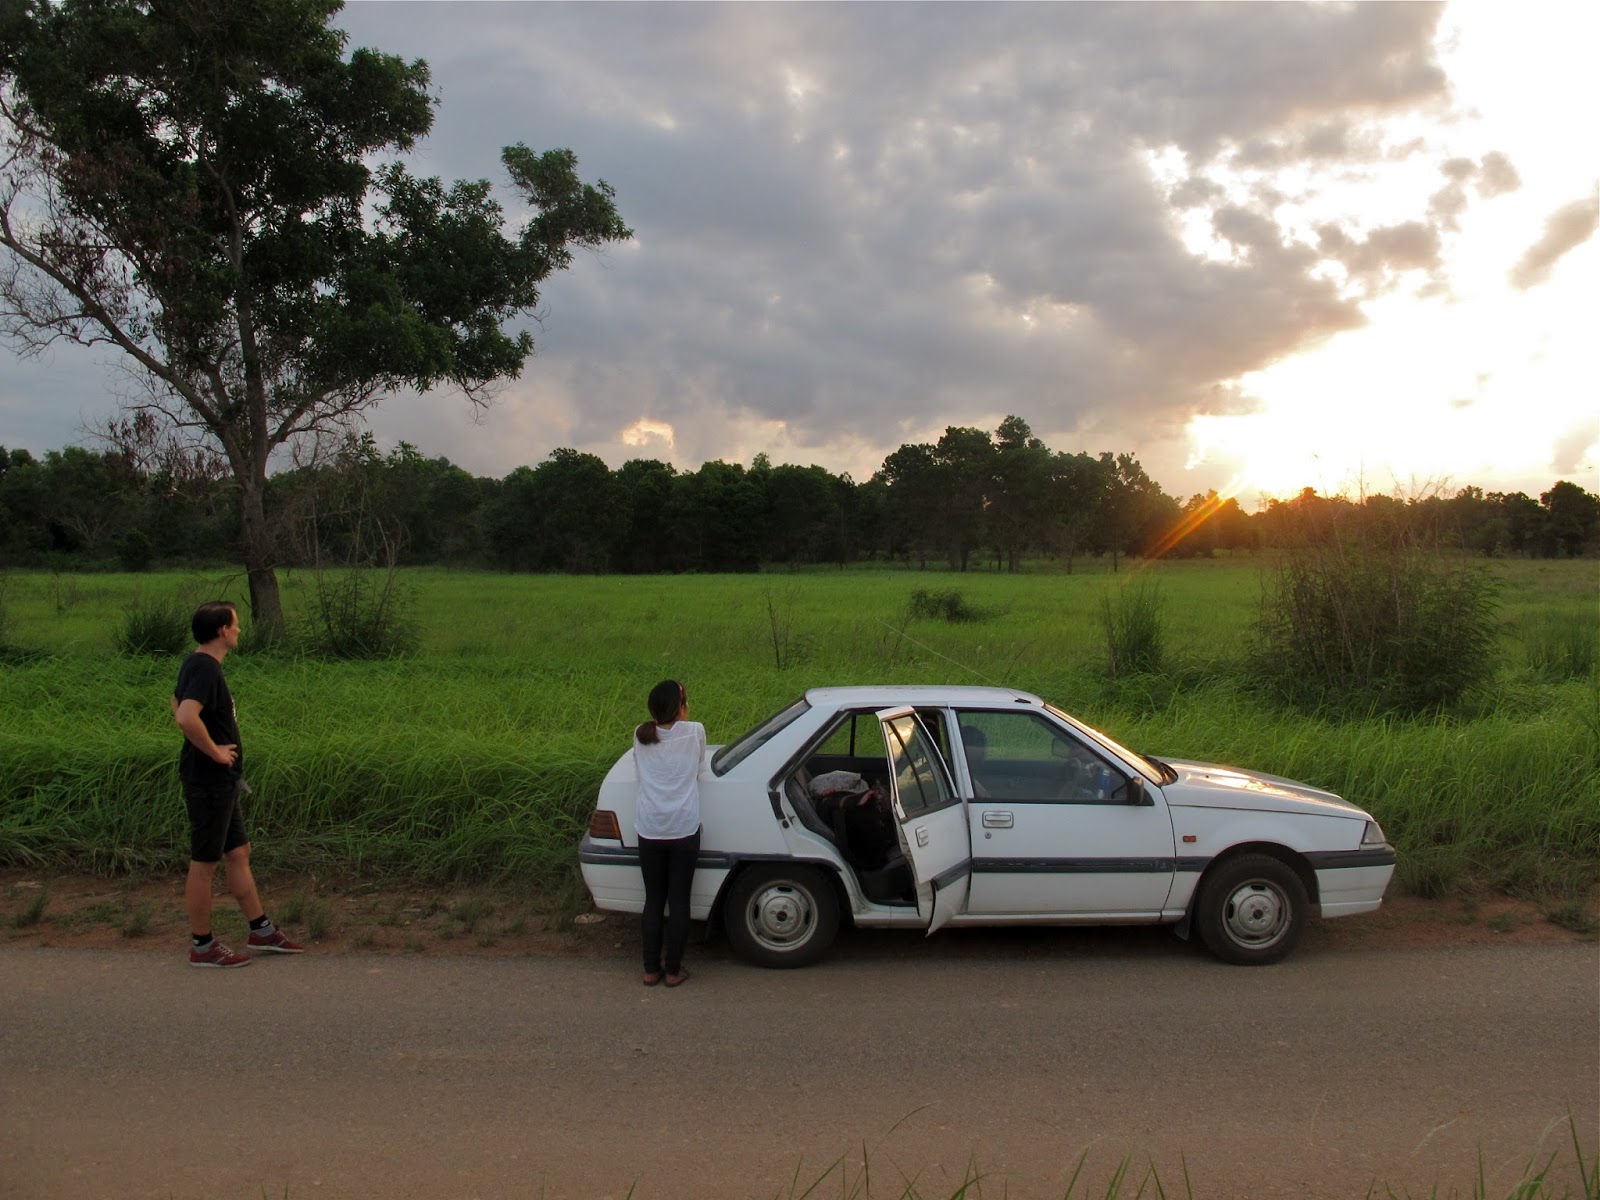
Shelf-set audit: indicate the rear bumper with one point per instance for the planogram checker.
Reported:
(611, 873)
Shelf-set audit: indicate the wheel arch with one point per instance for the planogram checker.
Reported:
(1292, 859)
(742, 863)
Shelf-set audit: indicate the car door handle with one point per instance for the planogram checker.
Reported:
(998, 819)
(922, 835)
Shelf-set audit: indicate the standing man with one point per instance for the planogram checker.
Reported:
(211, 767)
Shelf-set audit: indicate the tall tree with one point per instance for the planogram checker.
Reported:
(1129, 506)
(1077, 481)
(965, 460)
(1573, 520)
(1019, 510)
(190, 181)
(910, 481)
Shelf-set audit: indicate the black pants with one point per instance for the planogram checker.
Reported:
(668, 866)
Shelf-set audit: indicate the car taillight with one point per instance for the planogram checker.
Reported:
(604, 825)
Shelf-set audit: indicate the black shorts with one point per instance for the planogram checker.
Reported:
(216, 820)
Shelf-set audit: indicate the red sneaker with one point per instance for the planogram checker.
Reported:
(273, 943)
(217, 955)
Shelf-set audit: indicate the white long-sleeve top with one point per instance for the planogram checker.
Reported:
(669, 788)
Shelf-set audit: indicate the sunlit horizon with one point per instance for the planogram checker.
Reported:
(1478, 382)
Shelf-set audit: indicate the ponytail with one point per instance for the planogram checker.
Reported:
(666, 701)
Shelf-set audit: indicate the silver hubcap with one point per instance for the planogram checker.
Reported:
(781, 915)
(1257, 914)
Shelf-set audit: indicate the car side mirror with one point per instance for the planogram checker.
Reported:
(1138, 795)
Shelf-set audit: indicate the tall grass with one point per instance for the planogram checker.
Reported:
(1132, 622)
(478, 758)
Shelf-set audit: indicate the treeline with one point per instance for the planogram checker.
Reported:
(973, 498)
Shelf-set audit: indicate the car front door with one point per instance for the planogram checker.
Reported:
(931, 819)
(1058, 828)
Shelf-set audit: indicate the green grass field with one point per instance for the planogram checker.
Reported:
(477, 757)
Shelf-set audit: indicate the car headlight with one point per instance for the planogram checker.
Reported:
(1372, 835)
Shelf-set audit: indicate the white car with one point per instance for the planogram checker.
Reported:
(931, 806)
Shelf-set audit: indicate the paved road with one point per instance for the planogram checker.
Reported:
(129, 1075)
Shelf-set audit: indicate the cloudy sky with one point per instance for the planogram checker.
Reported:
(1261, 246)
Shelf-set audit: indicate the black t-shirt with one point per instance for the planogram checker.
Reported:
(200, 678)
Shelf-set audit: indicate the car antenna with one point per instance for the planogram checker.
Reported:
(946, 657)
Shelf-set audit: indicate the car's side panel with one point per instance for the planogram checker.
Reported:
(1070, 859)
(1207, 832)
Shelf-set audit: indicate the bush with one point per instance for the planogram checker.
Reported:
(1134, 637)
(941, 606)
(154, 627)
(360, 614)
(135, 550)
(1352, 624)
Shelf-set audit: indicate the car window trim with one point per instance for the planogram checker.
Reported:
(735, 752)
(1129, 758)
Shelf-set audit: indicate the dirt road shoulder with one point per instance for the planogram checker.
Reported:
(365, 916)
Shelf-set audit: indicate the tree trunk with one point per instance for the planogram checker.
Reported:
(266, 606)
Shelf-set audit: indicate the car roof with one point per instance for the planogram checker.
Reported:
(887, 695)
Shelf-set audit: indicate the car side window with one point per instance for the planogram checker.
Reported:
(1020, 756)
(919, 783)
(858, 735)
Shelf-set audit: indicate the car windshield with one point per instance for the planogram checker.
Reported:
(736, 752)
(1156, 772)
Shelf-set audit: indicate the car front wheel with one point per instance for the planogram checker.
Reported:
(781, 916)
(1252, 910)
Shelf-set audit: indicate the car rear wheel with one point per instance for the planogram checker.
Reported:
(1252, 910)
(781, 916)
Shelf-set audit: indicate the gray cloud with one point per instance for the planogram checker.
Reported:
(1565, 229)
(868, 221)
(1383, 252)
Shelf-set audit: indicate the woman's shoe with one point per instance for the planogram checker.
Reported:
(651, 978)
(678, 977)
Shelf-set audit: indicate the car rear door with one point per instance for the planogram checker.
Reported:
(930, 817)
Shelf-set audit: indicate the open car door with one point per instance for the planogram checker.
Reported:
(930, 817)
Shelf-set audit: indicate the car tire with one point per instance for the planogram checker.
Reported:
(778, 915)
(1251, 910)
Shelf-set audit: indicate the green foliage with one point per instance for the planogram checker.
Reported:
(1132, 622)
(949, 605)
(135, 550)
(359, 613)
(5, 612)
(137, 923)
(198, 182)
(1575, 916)
(790, 647)
(33, 912)
(154, 626)
(478, 757)
(318, 917)
(1356, 624)
(1563, 646)
(1544, 1176)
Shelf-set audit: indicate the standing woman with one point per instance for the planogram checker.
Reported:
(667, 751)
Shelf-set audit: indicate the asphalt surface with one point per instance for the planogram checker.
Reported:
(1010, 1055)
